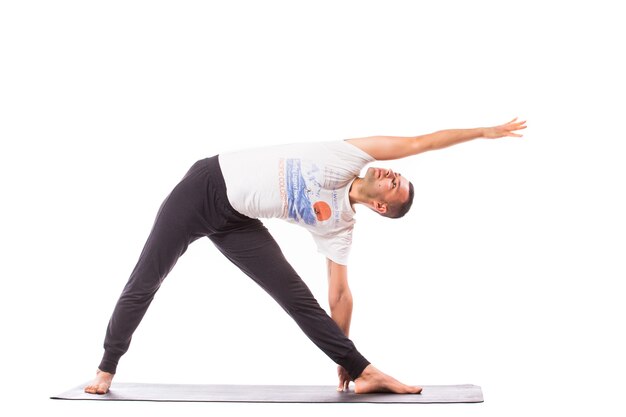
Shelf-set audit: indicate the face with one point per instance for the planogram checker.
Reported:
(385, 186)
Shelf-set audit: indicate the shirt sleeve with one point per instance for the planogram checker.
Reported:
(364, 156)
(335, 247)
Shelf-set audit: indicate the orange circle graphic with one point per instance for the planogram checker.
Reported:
(322, 210)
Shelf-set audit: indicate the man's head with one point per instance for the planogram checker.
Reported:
(388, 193)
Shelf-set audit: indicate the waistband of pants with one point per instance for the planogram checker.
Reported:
(219, 185)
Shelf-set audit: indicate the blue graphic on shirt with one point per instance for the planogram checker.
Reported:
(298, 192)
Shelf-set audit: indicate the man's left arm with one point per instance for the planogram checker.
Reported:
(340, 302)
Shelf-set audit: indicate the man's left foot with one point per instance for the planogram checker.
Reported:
(373, 380)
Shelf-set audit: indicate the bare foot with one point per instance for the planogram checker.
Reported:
(100, 384)
(373, 380)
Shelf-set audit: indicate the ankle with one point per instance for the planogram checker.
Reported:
(367, 372)
(103, 373)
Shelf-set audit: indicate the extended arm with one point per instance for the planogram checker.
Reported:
(396, 147)
(339, 295)
(340, 301)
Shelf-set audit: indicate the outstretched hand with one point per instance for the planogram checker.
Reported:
(344, 378)
(507, 129)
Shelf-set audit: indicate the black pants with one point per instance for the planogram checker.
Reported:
(197, 207)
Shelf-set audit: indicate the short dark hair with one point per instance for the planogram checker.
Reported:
(395, 212)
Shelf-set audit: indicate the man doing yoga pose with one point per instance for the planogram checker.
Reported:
(314, 185)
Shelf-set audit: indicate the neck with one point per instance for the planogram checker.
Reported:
(356, 192)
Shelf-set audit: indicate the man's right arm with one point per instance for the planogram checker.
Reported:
(384, 148)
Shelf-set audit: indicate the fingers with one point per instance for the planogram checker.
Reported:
(344, 379)
(343, 385)
(512, 127)
(516, 124)
(344, 382)
(511, 121)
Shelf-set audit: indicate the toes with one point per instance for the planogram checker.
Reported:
(415, 390)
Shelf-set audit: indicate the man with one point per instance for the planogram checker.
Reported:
(315, 185)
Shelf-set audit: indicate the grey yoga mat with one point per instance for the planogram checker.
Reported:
(271, 394)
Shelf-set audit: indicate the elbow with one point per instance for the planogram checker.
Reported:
(340, 300)
(422, 144)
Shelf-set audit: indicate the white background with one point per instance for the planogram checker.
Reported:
(505, 274)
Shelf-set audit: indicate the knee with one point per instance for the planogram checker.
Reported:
(139, 292)
(296, 305)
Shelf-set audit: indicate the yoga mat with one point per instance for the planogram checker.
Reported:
(271, 394)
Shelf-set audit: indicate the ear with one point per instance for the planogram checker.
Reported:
(379, 207)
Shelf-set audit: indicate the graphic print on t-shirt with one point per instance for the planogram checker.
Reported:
(303, 186)
(322, 210)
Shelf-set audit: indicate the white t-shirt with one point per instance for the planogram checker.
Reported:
(303, 183)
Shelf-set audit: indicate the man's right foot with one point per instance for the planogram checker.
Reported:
(373, 380)
(100, 384)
